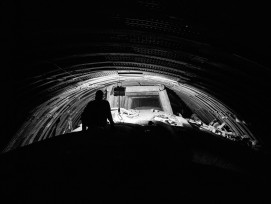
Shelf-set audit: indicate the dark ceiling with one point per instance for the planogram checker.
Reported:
(217, 46)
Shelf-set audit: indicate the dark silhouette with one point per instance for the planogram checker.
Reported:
(96, 113)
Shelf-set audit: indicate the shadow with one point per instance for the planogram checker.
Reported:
(128, 164)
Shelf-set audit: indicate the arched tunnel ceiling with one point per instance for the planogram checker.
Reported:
(68, 103)
(54, 47)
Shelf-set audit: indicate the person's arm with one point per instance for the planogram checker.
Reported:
(109, 115)
(84, 127)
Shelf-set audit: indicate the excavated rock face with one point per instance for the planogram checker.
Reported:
(59, 55)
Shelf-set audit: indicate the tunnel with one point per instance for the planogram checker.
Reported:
(191, 62)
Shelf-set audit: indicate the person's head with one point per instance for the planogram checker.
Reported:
(99, 95)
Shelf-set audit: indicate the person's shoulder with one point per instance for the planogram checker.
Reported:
(89, 104)
(105, 102)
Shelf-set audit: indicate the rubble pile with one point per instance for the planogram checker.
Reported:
(220, 128)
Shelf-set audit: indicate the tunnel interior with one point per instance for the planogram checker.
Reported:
(61, 113)
(208, 60)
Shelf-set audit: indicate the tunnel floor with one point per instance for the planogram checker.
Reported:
(107, 166)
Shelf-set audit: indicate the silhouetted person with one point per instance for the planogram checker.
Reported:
(96, 113)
